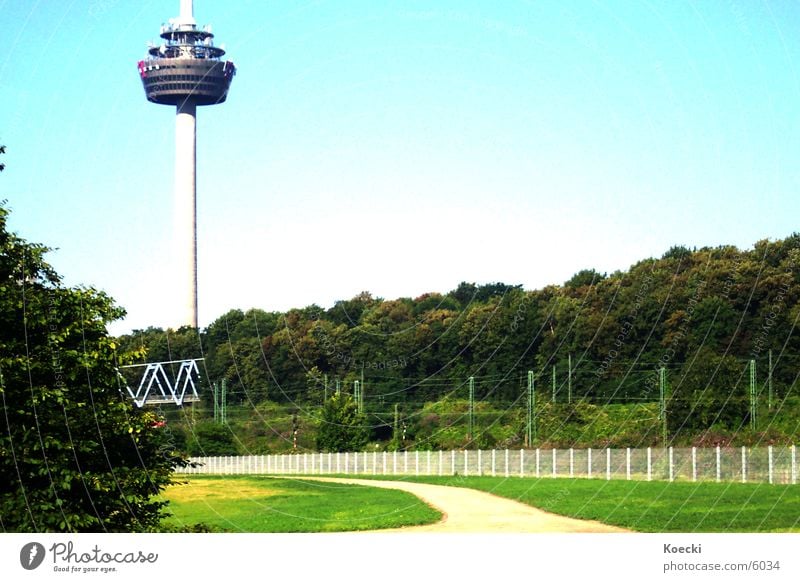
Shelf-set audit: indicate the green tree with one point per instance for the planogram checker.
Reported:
(342, 427)
(75, 455)
(464, 293)
(710, 390)
(677, 252)
(349, 312)
(584, 278)
(162, 345)
(209, 439)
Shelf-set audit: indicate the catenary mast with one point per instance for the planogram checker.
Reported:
(186, 70)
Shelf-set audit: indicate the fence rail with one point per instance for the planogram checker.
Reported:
(777, 465)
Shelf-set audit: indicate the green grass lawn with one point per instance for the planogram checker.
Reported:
(262, 504)
(654, 506)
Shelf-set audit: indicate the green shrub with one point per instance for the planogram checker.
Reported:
(211, 439)
(342, 428)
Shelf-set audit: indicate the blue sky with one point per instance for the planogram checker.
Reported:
(400, 147)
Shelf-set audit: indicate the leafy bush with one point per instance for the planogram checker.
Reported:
(211, 439)
(712, 391)
(75, 455)
(342, 428)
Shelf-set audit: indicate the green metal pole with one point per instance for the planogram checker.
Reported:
(338, 387)
(535, 432)
(528, 414)
(396, 422)
(357, 395)
(216, 404)
(471, 406)
(769, 382)
(569, 379)
(325, 395)
(554, 383)
(750, 393)
(531, 432)
(224, 411)
(662, 412)
(753, 396)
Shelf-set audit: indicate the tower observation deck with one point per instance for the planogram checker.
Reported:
(186, 70)
(186, 65)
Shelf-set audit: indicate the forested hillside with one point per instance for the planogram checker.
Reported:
(699, 317)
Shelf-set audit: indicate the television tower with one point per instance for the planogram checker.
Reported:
(186, 70)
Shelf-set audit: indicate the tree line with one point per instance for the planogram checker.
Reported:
(701, 315)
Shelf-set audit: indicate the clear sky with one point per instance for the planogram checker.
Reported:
(400, 147)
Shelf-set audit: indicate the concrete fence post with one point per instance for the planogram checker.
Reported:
(744, 464)
(769, 463)
(671, 466)
(628, 463)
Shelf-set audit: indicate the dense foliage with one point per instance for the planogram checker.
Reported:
(342, 427)
(700, 314)
(74, 455)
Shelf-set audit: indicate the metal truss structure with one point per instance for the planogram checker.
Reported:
(156, 386)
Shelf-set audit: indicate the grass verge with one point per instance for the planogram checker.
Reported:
(654, 506)
(267, 505)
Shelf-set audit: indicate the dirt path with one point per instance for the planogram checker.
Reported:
(468, 510)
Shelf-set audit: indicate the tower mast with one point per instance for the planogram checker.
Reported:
(186, 70)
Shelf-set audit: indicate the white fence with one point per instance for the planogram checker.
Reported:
(747, 465)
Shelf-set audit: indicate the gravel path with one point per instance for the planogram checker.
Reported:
(469, 510)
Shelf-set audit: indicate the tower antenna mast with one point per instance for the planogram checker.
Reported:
(186, 70)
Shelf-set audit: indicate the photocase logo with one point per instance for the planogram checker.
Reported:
(31, 555)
